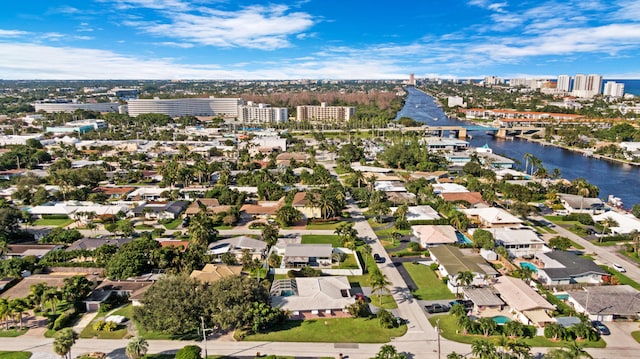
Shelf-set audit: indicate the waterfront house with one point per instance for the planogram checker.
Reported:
(626, 222)
(579, 204)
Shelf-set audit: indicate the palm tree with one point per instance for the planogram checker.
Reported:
(37, 292)
(19, 306)
(519, 349)
(379, 283)
(136, 348)
(4, 248)
(577, 350)
(583, 189)
(64, 341)
(358, 177)
(366, 252)
(52, 296)
(487, 325)
(607, 223)
(483, 349)
(635, 239)
(465, 278)
(5, 311)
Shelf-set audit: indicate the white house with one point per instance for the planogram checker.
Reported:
(519, 241)
(313, 297)
(627, 222)
(492, 217)
(607, 303)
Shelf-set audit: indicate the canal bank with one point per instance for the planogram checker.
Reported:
(612, 178)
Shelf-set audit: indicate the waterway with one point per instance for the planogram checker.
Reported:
(617, 179)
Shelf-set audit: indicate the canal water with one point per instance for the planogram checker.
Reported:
(620, 180)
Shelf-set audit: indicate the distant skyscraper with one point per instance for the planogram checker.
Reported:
(594, 84)
(412, 80)
(580, 82)
(564, 83)
(587, 86)
(613, 89)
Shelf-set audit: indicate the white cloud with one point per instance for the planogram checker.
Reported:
(260, 27)
(182, 45)
(12, 33)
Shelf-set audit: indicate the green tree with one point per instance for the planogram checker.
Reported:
(288, 215)
(379, 283)
(64, 340)
(270, 235)
(464, 278)
(560, 242)
(189, 352)
(76, 288)
(136, 348)
(388, 351)
(487, 326)
(202, 229)
(484, 349)
(483, 239)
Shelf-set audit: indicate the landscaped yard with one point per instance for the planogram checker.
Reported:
(120, 332)
(53, 222)
(636, 335)
(349, 263)
(430, 287)
(623, 279)
(173, 224)
(332, 225)
(451, 331)
(387, 301)
(15, 355)
(320, 239)
(12, 333)
(360, 330)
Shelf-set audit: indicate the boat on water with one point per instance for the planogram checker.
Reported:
(435, 119)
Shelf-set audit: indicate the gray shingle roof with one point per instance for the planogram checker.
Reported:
(574, 266)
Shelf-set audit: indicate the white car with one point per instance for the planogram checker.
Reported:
(618, 267)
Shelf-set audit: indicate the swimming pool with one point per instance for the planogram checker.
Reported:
(501, 319)
(530, 266)
(562, 296)
(462, 238)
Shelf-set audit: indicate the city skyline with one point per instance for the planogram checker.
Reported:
(211, 39)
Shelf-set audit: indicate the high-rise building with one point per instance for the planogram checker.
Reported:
(52, 107)
(564, 83)
(412, 80)
(262, 113)
(613, 89)
(587, 86)
(212, 106)
(324, 112)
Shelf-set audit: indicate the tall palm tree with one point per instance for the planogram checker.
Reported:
(18, 307)
(465, 278)
(607, 223)
(64, 341)
(483, 349)
(366, 251)
(379, 283)
(136, 348)
(5, 312)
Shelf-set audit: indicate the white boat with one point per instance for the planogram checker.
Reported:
(435, 119)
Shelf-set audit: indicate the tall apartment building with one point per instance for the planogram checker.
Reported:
(587, 86)
(262, 112)
(212, 106)
(324, 113)
(613, 89)
(412, 79)
(564, 83)
(52, 107)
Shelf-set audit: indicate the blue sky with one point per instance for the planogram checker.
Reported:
(318, 39)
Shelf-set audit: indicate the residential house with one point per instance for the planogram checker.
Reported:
(626, 222)
(444, 186)
(519, 241)
(525, 304)
(473, 198)
(452, 261)
(492, 217)
(313, 297)
(80, 210)
(25, 250)
(606, 303)
(433, 235)
(237, 246)
(147, 194)
(284, 159)
(579, 204)
(484, 300)
(134, 290)
(23, 288)
(175, 243)
(212, 273)
(95, 243)
(160, 210)
(390, 186)
(562, 267)
(114, 192)
(301, 255)
(307, 209)
(263, 209)
(419, 213)
(210, 205)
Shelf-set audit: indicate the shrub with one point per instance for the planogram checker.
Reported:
(189, 352)
(434, 266)
(386, 319)
(99, 325)
(359, 309)
(110, 326)
(414, 246)
(63, 320)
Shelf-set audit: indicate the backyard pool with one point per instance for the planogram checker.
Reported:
(462, 238)
(530, 266)
(501, 319)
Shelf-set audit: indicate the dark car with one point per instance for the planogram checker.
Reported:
(436, 308)
(467, 304)
(600, 328)
(186, 221)
(377, 258)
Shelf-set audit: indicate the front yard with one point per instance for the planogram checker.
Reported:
(430, 287)
(342, 330)
(120, 331)
(321, 239)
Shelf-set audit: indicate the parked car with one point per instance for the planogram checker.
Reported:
(186, 221)
(467, 304)
(618, 267)
(437, 308)
(377, 258)
(600, 328)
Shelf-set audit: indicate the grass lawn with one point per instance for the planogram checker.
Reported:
(576, 245)
(449, 330)
(120, 332)
(144, 226)
(636, 335)
(630, 255)
(173, 224)
(317, 239)
(359, 280)
(387, 301)
(623, 279)
(224, 227)
(12, 333)
(430, 287)
(15, 355)
(350, 262)
(53, 222)
(360, 330)
(326, 225)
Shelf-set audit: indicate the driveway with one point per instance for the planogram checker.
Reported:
(620, 335)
